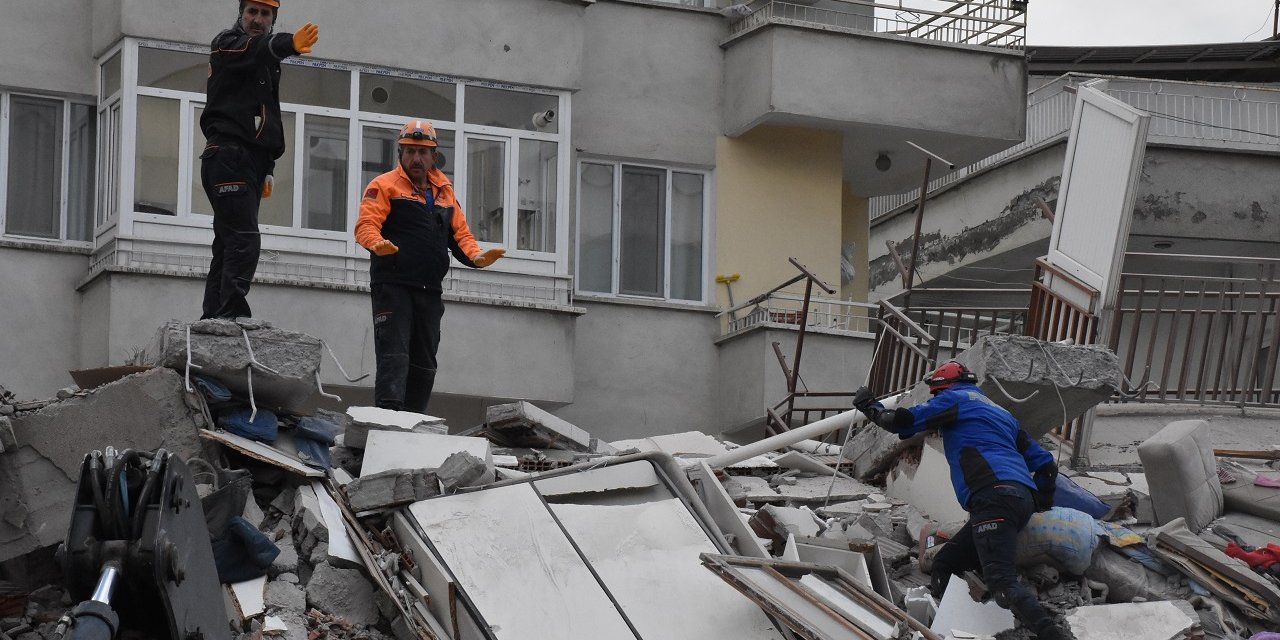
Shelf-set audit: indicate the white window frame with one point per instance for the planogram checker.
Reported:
(616, 257)
(64, 169)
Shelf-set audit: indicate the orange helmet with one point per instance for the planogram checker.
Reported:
(419, 132)
(275, 4)
(948, 374)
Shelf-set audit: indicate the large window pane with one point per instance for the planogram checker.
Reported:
(155, 181)
(595, 228)
(35, 167)
(511, 109)
(379, 154)
(109, 164)
(537, 196)
(110, 78)
(486, 186)
(686, 236)
(407, 97)
(643, 231)
(319, 87)
(324, 202)
(80, 172)
(177, 70)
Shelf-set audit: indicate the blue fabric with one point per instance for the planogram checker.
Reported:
(318, 429)
(242, 552)
(1073, 496)
(213, 390)
(263, 428)
(971, 424)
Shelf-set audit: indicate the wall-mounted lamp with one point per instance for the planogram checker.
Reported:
(543, 119)
(883, 162)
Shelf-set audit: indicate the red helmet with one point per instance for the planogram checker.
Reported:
(948, 374)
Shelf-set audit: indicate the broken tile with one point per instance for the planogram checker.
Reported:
(249, 596)
(262, 452)
(387, 450)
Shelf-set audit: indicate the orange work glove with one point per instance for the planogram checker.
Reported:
(489, 257)
(385, 248)
(267, 185)
(306, 36)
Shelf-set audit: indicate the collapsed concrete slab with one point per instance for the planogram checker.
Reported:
(1059, 382)
(392, 488)
(520, 424)
(219, 348)
(362, 420)
(145, 411)
(388, 450)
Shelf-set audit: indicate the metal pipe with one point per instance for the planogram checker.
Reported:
(106, 583)
(788, 438)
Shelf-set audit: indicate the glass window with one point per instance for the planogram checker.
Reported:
(686, 235)
(324, 200)
(177, 70)
(512, 109)
(109, 164)
(408, 97)
(380, 154)
(276, 210)
(155, 178)
(486, 188)
(658, 217)
(110, 78)
(642, 256)
(35, 167)
(311, 85)
(595, 228)
(83, 136)
(537, 196)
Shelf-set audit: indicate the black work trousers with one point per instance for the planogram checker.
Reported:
(232, 177)
(406, 336)
(989, 541)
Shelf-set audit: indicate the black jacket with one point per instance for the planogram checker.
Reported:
(243, 95)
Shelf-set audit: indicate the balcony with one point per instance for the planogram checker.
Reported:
(952, 79)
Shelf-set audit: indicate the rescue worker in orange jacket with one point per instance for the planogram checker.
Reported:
(241, 122)
(411, 221)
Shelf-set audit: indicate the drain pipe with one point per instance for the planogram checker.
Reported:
(782, 440)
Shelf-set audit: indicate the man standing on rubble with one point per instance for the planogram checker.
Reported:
(1000, 475)
(411, 221)
(241, 123)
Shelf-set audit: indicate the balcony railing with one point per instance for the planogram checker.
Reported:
(1184, 113)
(782, 309)
(991, 23)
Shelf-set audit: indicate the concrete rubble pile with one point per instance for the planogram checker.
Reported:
(384, 524)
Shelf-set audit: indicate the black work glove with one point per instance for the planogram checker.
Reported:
(1046, 478)
(865, 401)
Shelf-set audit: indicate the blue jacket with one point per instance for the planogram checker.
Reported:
(982, 441)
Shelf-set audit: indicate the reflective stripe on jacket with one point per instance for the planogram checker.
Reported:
(392, 208)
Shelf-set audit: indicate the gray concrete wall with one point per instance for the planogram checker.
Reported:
(648, 92)
(46, 46)
(521, 41)
(40, 318)
(1195, 194)
(643, 370)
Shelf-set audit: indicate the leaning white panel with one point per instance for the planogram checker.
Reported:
(516, 566)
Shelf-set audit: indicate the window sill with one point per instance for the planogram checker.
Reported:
(54, 246)
(651, 303)
(659, 4)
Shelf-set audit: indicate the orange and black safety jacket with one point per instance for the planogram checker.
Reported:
(425, 226)
(243, 93)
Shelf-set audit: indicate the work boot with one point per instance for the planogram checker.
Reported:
(1055, 631)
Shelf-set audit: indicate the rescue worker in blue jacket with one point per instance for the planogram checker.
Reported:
(241, 122)
(1000, 475)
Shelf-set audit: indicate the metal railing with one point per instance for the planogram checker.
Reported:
(905, 352)
(991, 23)
(1179, 115)
(784, 309)
(1208, 339)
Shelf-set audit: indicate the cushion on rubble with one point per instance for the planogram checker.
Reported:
(1245, 496)
(264, 426)
(1182, 474)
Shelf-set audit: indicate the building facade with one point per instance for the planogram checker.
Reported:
(623, 152)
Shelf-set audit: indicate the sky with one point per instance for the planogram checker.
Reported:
(1140, 22)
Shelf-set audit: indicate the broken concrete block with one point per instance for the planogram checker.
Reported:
(218, 347)
(253, 513)
(520, 424)
(1067, 380)
(873, 450)
(391, 489)
(362, 420)
(283, 502)
(462, 469)
(343, 592)
(1133, 621)
(387, 450)
(282, 595)
(287, 561)
(1182, 474)
(309, 527)
(822, 488)
(8, 442)
(776, 523)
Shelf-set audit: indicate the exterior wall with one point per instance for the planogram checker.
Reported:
(648, 93)
(40, 317)
(1192, 194)
(855, 235)
(33, 57)
(642, 370)
(778, 196)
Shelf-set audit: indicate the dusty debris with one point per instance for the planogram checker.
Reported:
(391, 489)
